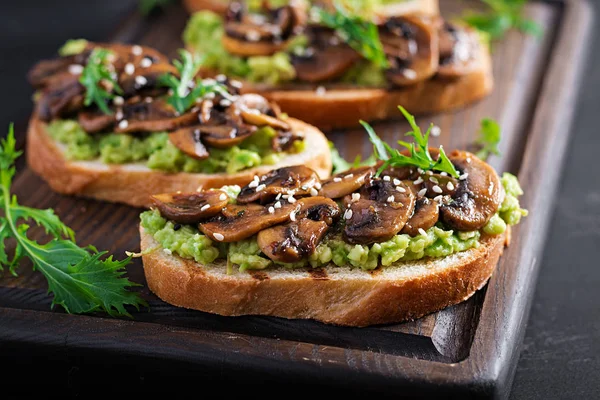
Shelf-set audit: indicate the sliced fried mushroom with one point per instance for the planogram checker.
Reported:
(287, 182)
(143, 78)
(437, 184)
(345, 183)
(190, 208)
(458, 50)
(188, 140)
(238, 222)
(412, 46)
(380, 213)
(43, 71)
(256, 110)
(298, 239)
(62, 95)
(139, 115)
(425, 216)
(95, 121)
(225, 136)
(478, 194)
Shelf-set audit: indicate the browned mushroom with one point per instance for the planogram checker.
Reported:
(412, 46)
(438, 184)
(135, 78)
(190, 208)
(43, 71)
(478, 194)
(283, 183)
(62, 95)
(458, 50)
(188, 140)
(249, 34)
(298, 239)
(95, 121)
(149, 115)
(345, 183)
(425, 216)
(238, 222)
(256, 110)
(379, 213)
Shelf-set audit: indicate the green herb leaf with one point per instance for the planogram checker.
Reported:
(360, 34)
(99, 80)
(419, 151)
(185, 90)
(80, 280)
(147, 6)
(488, 138)
(340, 164)
(501, 16)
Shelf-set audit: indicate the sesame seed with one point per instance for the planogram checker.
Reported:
(205, 207)
(422, 232)
(123, 124)
(260, 187)
(348, 176)
(320, 91)
(210, 95)
(313, 191)
(221, 78)
(236, 84)
(318, 186)
(348, 214)
(433, 179)
(278, 196)
(337, 179)
(443, 173)
(436, 130)
(118, 101)
(271, 210)
(469, 160)
(277, 205)
(291, 199)
(223, 197)
(146, 62)
(390, 199)
(129, 69)
(253, 36)
(355, 196)
(218, 236)
(136, 50)
(141, 80)
(429, 172)
(409, 74)
(148, 99)
(400, 189)
(225, 103)
(396, 181)
(437, 189)
(256, 178)
(253, 184)
(418, 181)
(304, 187)
(418, 169)
(285, 196)
(167, 251)
(386, 178)
(463, 176)
(293, 215)
(450, 186)
(75, 69)
(422, 192)
(119, 115)
(438, 198)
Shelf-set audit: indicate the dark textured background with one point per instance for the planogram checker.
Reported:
(561, 353)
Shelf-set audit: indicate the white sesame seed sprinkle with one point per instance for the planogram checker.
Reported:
(400, 189)
(260, 187)
(438, 198)
(223, 197)
(119, 115)
(218, 236)
(355, 196)
(348, 176)
(469, 160)
(277, 205)
(75, 69)
(253, 184)
(450, 186)
(443, 173)
(422, 232)
(396, 181)
(418, 181)
(422, 192)
(320, 91)
(221, 78)
(271, 210)
(304, 187)
(253, 36)
(463, 176)
(436, 131)
(313, 191)
(129, 68)
(318, 185)
(390, 199)
(167, 251)
(123, 124)
(437, 189)
(429, 172)
(236, 84)
(433, 179)
(285, 196)
(205, 207)
(386, 178)
(225, 103)
(348, 214)
(293, 216)
(278, 196)
(141, 80)
(146, 62)
(409, 74)
(337, 179)
(136, 50)
(291, 199)
(118, 101)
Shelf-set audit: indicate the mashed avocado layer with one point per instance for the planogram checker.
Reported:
(188, 242)
(157, 152)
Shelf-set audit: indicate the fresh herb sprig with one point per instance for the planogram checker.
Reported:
(184, 90)
(419, 150)
(339, 163)
(360, 34)
(79, 279)
(488, 138)
(99, 81)
(500, 17)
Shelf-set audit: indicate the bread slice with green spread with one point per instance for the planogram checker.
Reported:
(118, 123)
(332, 67)
(372, 245)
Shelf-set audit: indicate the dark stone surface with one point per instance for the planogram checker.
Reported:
(561, 352)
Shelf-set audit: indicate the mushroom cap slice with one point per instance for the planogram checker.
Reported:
(188, 141)
(296, 180)
(459, 47)
(425, 216)
(412, 45)
(190, 208)
(477, 197)
(325, 64)
(224, 136)
(238, 222)
(298, 239)
(345, 183)
(379, 214)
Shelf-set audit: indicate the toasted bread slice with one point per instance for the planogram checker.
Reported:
(343, 107)
(134, 183)
(335, 295)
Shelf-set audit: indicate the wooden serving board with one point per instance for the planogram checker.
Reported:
(469, 349)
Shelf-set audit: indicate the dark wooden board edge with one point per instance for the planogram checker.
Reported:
(495, 349)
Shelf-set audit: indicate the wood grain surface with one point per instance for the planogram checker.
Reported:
(470, 348)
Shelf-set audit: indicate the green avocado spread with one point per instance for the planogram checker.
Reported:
(158, 153)
(188, 242)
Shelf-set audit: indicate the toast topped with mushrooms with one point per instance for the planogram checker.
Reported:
(331, 65)
(118, 123)
(419, 231)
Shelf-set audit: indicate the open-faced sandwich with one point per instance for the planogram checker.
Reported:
(378, 7)
(333, 65)
(118, 123)
(417, 232)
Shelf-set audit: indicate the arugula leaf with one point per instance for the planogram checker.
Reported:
(99, 81)
(419, 150)
(79, 279)
(340, 164)
(360, 34)
(501, 16)
(184, 90)
(489, 138)
(147, 6)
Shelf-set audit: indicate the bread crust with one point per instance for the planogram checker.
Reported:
(335, 295)
(134, 183)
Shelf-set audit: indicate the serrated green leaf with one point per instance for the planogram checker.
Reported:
(46, 218)
(93, 75)
(488, 138)
(4, 234)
